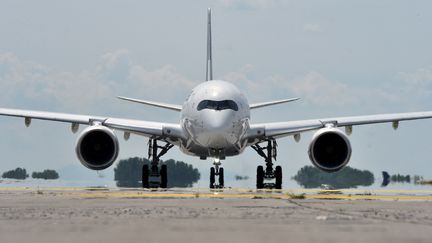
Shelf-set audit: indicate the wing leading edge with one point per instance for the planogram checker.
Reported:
(282, 129)
(145, 128)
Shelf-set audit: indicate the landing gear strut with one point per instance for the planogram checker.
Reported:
(268, 178)
(216, 171)
(154, 177)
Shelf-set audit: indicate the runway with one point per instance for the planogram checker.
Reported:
(200, 215)
(297, 193)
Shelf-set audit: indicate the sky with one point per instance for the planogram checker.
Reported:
(340, 57)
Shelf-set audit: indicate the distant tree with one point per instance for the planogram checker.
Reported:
(46, 174)
(417, 178)
(312, 177)
(239, 177)
(401, 178)
(128, 173)
(18, 173)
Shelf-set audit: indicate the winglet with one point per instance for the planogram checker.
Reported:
(275, 102)
(209, 64)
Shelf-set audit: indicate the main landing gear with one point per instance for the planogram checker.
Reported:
(269, 178)
(154, 177)
(219, 172)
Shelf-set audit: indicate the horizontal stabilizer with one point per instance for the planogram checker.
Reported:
(153, 103)
(269, 103)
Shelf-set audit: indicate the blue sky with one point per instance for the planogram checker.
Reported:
(341, 57)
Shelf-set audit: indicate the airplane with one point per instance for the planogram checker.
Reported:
(215, 122)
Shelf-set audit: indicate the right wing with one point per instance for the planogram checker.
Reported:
(145, 128)
(282, 129)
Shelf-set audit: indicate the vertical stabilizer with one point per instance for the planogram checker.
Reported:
(209, 68)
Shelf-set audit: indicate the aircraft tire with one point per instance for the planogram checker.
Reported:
(145, 176)
(278, 177)
(260, 177)
(212, 177)
(164, 176)
(221, 178)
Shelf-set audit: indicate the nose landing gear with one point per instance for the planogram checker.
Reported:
(219, 172)
(268, 178)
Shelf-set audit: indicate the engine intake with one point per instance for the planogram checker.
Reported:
(330, 149)
(97, 147)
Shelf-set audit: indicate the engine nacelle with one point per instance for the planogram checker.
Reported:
(330, 149)
(97, 147)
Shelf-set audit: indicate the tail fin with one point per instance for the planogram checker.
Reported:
(209, 67)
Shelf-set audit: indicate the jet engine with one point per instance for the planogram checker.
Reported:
(330, 149)
(97, 147)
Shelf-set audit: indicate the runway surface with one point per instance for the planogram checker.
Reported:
(200, 215)
(346, 194)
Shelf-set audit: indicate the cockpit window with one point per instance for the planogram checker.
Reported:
(217, 105)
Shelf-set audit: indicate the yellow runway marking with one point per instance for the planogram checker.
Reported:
(345, 194)
(247, 195)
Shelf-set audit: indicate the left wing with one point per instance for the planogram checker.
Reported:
(145, 128)
(282, 129)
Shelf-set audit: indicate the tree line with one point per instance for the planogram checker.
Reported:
(128, 173)
(398, 178)
(21, 174)
(312, 177)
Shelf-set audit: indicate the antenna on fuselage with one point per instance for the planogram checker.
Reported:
(209, 67)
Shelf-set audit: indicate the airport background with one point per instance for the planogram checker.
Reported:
(342, 58)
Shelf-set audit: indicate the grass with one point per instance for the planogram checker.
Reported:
(424, 182)
(296, 196)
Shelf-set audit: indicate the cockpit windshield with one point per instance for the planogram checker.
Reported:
(217, 105)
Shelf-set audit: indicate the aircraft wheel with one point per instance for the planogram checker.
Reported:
(260, 177)
(212, 177)
(278, 177)
(145, 176)
(164, 176)
(221, 177)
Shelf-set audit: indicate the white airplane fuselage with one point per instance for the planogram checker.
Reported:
(215, 118)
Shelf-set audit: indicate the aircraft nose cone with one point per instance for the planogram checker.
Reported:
(217, 128)
(219, 122)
